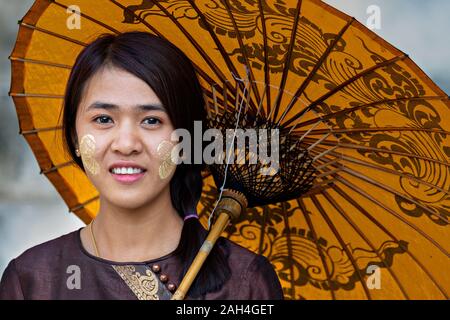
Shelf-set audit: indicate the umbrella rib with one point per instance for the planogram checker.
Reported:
(334, 203)
(34, 131)
(57, 167)
(342, 243)
(390, 190)
(216, 41)
(288, 57)
(89, 18)
(382, 228)
(347, 82)
(221, 102)
(319, 248)
(289, 245)
(244, 51)
(194, 43)
(374, 129)
(401, 174)
(386, 188)
(359, 147)
(41, 62)
(208, 60)
(317, 66)
(395, 214)
(360, 107)
(262, 230)
(83, 204)
(266, 63)
(54, 34)
(36, 95)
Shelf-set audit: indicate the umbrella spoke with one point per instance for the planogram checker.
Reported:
(287, 58)
(263, 230)
(266, 62)
(219, 45)
(319, 248)
(349, 81)
(53, 34)
(385, 230)
(97, 22)
(380, 150)
(199, 49)
(367, 179)
(36, 95)
(244, 52)
(289, 245)
(342, 243)
(339, 209)
(359, 107)
(374, 129)
(390, 190)
(83, 205)
(392, 212)
(57, 167)
(41, 62)
(387, 170)
(317, 66)
(34, 131)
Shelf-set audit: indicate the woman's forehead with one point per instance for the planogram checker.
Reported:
(113, 107)
(118, 90)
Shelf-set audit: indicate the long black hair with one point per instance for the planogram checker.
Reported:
(171, 75)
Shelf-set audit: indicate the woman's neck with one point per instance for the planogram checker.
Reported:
(135, 235)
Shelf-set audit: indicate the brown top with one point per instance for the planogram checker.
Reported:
(63, 269)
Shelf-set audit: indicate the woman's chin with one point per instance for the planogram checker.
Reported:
(128, 202)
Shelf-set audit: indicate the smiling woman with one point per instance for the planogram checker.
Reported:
(125, 96)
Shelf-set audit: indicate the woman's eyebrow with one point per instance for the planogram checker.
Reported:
(113, 107)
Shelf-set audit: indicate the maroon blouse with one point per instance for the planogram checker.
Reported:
(63, 269)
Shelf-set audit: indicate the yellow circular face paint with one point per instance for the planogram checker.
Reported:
(87, 151)
(164, 152)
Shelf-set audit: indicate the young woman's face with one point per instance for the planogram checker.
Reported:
(123, 133)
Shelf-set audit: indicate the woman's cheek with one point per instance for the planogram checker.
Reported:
(164, 155)
(87, 151)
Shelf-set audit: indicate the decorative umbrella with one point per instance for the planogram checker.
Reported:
(360, 206)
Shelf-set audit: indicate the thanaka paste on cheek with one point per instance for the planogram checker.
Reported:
(87, 151)
(164, 152)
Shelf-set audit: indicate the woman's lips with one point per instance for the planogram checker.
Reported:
(128, 178)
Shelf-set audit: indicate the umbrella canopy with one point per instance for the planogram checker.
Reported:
(374, 223)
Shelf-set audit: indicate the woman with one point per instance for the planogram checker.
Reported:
(125, 96)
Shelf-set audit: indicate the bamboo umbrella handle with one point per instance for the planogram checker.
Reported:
(229, 208)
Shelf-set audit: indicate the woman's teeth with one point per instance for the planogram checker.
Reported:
(126, 170)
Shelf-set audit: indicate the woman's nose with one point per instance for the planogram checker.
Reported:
(127, 140)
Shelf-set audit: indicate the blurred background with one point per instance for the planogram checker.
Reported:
(32, 212)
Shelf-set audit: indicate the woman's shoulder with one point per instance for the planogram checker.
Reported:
(240, 257)
(253, 275)
(47, 253)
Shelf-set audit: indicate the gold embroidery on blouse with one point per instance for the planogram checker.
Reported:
(145, 287)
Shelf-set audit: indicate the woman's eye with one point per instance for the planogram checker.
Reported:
(152, 121)
(102, 119)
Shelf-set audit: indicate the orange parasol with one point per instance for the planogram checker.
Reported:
(374, 224)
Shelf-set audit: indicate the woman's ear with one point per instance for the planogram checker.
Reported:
(77, 149)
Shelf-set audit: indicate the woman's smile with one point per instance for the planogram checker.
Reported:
(128, 178)
(127, 172)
